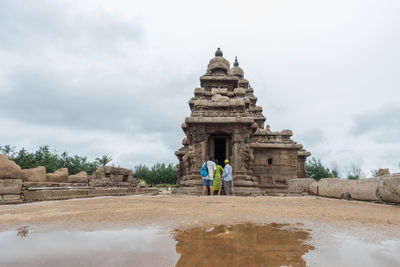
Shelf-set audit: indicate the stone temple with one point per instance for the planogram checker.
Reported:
(226, 123)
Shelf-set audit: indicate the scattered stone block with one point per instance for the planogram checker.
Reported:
(37, 174)
(59, 176)
(8, 168)
(81, 177)
(10, 186)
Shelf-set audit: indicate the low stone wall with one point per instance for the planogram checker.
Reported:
(70, 193)
(35, 184)
(383, 188)
(10, 181)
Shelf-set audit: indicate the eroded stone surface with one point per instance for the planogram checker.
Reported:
(333, 187)
(37, 174)
(108, 176)
(389, 188)
(10, 186)
(59, 176)
(81, 177)
(300, 185)
(8, 168)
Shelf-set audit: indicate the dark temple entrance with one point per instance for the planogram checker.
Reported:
(220, 149)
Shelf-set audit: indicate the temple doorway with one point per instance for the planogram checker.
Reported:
(220, 149)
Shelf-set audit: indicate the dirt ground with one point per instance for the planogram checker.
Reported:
(185, 211)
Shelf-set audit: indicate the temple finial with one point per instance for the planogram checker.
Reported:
(236, 63)
(218, 53)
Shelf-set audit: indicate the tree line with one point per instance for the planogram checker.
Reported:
(159, 173)
(53, 161)
(316, 170)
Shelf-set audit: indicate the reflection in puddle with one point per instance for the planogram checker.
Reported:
(218, 245)
(242, 245)
(23, 231)
(145, 246)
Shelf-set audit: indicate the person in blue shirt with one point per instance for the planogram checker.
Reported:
(227, 177)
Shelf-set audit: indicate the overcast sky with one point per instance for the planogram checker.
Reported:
(114, 77)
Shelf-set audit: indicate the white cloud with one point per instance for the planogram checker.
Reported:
(100, 77)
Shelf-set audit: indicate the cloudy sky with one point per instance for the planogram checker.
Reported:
(114, 77)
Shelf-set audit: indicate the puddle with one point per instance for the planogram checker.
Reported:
(242, 245)
(145, 246)
(216, 245)
(339, 249)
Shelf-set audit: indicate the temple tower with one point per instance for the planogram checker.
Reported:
(226, 123)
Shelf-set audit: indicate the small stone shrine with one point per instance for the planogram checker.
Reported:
(226, 123)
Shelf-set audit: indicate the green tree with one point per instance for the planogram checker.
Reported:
(104, 160)
(159, 173)
(352, 177)
(316, 170)
(50, 160)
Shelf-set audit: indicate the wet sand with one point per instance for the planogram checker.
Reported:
(185, 230)
(189, 211)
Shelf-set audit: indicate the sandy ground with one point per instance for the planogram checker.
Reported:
(185, 211)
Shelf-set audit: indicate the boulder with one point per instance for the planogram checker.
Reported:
(8, 168)
(10, 186)
(389, 188)
(313, 188)
(333, 187)
(364, 189)
(59, 176)
(299, 185)
(37, 174)
(81, 177)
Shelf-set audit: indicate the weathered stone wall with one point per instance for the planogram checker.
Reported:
(108, 176)
(383, 188)
(10, 181)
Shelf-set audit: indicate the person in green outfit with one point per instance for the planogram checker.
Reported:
(217, 179)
